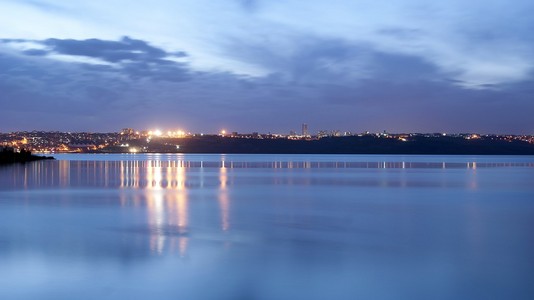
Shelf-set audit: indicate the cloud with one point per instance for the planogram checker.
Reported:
(358, 65)
(36, 52)
(313, 84)
(476, 44)
(126, 49)
(249, 5)
(319, 60)
(133, 57)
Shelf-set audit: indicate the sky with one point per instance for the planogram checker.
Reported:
(267, 65)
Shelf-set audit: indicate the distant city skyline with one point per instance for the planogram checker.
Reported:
(258, 65)
(305, 130)
(129, 140)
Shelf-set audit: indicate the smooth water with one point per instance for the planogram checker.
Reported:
(234, 227)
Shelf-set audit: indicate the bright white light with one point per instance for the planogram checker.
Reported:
(158, 133)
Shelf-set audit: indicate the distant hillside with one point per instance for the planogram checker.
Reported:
(333, 145)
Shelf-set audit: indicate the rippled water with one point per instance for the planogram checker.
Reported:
(268, 227)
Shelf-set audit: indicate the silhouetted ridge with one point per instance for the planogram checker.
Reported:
(333, 145)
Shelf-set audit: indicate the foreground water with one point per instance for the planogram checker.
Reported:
(267, 227)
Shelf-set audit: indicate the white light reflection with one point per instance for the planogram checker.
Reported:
(155, 206)
(473, 183)
(166, 199)
(224, 201)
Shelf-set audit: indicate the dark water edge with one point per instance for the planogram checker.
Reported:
(10, 157)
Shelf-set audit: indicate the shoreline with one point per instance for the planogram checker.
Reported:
(11, 157)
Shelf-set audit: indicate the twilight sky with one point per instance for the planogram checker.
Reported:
(267, 65)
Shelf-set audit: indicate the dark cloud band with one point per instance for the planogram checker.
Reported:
(134, 57)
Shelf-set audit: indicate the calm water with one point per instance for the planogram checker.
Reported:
(268, 227)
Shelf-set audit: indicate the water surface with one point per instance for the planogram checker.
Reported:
(158, 226)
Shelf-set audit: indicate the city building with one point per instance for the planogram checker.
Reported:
(305, 129)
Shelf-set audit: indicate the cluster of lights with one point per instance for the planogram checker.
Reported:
(156, 132)
(172, 134)
(473, 137)
(176, 134)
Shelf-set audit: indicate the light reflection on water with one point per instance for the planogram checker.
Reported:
(166, 173)
(267, 228)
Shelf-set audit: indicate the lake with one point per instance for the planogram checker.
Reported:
(171, 226)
